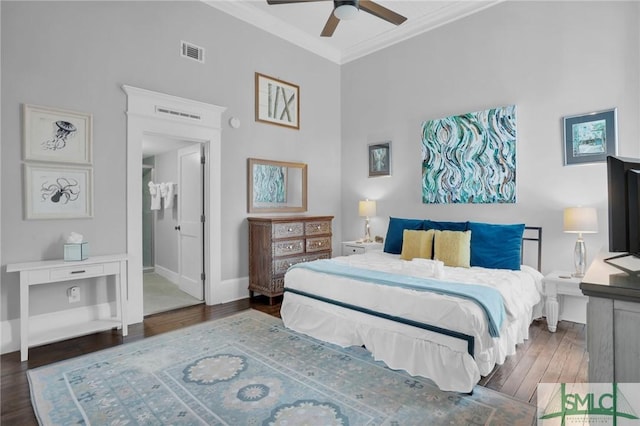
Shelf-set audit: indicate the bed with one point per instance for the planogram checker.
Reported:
(414, 313)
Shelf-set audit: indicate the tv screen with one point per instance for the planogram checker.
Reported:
(623, 178)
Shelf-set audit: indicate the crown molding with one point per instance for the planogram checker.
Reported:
(448, 13)
(269, 23)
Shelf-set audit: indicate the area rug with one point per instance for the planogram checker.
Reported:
(248, 369)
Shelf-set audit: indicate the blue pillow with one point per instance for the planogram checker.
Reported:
(445, 226)
(393, 241)
(496, 246)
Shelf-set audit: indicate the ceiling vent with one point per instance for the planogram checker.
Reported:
(176, 113)
(189, 50)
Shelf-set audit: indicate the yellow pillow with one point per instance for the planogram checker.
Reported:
(417, 244)
(453, 248)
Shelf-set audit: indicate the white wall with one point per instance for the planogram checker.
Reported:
(551, 59)
(77, 55)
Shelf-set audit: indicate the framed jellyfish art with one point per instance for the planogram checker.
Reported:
(56, 135)
(58, 191)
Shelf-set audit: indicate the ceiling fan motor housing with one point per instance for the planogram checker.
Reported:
(338, 3)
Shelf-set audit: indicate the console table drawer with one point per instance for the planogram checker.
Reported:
(76, 272)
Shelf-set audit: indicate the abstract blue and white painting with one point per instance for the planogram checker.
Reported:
(269, 184)
(470, 158)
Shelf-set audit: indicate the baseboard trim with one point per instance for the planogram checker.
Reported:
(232, 290)
(167, 273)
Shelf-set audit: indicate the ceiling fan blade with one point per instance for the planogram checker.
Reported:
(381, 12)
(330, 26)
(291, 1)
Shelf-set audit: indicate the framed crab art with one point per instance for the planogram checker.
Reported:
(56, 135)
(58, 192)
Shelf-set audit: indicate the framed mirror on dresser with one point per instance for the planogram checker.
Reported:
(276, 186)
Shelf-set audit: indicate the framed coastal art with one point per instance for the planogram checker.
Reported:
(56, 135)
(589, 138)
(470, 158)
(277, 102)
(58, 191)
(380, 159)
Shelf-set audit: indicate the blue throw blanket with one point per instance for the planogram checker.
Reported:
(488, 298)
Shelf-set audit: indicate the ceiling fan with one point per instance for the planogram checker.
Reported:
(348, 9)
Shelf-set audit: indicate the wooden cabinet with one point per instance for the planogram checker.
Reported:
(613, 315)
(276, 243)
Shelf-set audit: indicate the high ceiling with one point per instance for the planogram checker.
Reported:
(302, 23)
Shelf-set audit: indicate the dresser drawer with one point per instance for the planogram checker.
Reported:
(287, 230)
(318, 244)
(280, 266)
(317, 227)
(287, 248)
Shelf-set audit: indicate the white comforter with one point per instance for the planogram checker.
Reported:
(521, 291)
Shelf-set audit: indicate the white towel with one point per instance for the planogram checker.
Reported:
(168, 194)
(154, 190)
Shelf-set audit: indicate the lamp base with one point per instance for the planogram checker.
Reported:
(367, 232)
(580, 258)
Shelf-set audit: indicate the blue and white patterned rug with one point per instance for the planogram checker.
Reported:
(249, 370)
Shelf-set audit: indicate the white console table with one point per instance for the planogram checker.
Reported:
(50, 271)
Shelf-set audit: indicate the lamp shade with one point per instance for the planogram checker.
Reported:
(580, 220)
(367, 208)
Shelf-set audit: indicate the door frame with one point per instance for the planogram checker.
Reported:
(154, 113)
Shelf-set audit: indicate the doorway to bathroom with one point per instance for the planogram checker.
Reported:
(172, 228)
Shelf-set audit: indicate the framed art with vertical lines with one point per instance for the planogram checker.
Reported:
(277, 102)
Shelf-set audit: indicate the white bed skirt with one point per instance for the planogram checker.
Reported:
(420, 352)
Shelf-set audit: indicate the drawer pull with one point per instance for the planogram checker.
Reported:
(289, 229)
(78, 272)
(318, 227)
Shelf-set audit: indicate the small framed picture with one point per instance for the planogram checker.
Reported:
(589, 138)
(277, 102)
(56, 135)
(58, 192)
(380, 159)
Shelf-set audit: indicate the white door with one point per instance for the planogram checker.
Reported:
(190, 226)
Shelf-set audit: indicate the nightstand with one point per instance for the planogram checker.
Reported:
(354, 247)
(574, 307)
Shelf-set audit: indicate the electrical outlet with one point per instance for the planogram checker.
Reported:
(74, 294)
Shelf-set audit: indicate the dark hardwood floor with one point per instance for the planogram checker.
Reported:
(545, 357)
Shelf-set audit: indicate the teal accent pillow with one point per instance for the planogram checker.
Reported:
(393, 240)
(496, 246)
(445, 226)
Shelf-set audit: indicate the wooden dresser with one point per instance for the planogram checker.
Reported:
(276, 243)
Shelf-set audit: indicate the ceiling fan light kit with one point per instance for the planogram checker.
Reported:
(348, 9)
(345, 10)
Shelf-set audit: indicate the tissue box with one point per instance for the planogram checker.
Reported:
(76, 251)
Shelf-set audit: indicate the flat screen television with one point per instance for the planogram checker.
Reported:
(623, 178)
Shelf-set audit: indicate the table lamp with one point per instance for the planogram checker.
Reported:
(367, 209)
(580, 220)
